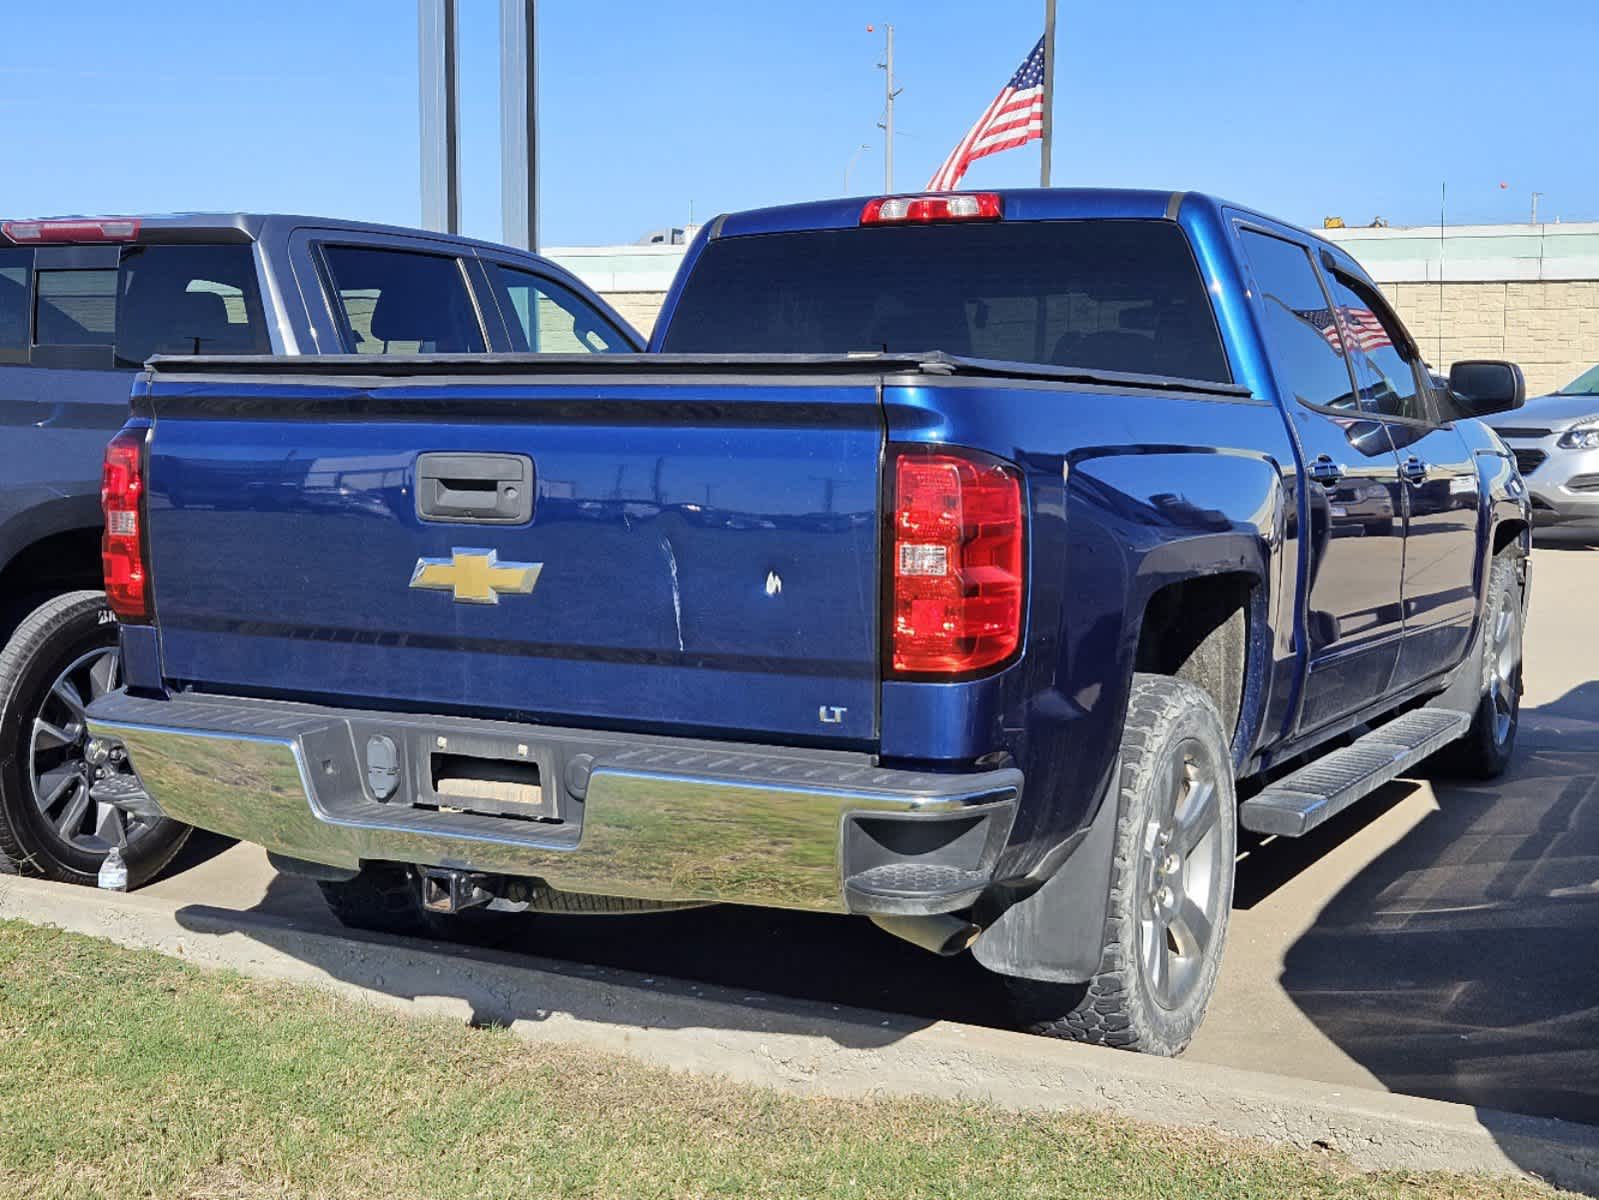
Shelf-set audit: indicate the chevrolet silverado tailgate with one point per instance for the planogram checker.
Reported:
(701, 551)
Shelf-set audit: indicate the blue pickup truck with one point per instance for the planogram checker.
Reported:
(83, 302)
(976, 563)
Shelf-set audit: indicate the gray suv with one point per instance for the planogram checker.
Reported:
(1555, 439)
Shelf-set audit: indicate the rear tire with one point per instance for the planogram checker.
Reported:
(63, 655)
(1484, 751)
(1171, 883)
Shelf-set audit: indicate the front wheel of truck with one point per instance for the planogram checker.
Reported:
(1171, 883)
(63, 656)
(1484, 751)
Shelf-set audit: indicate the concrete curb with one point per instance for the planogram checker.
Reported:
(822, 1049)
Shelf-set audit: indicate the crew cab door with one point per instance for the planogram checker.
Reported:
(1350, 515)
(1440, 482)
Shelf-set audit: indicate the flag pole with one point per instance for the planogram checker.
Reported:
(1047, 147)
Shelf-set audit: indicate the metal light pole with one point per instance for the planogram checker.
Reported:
(889, 92)
(1536, 196)
(438, 62)
(519, 124)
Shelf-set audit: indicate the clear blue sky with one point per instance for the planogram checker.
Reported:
(1303, 109)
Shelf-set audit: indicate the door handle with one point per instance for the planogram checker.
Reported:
(1324, 471)
(480, 489)
(1413, 470)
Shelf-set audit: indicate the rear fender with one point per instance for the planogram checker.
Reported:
(1136, 521)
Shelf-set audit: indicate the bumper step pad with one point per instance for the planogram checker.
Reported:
(1314, 794)
(946, 887)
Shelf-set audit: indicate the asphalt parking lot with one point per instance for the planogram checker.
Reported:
(1436, 939)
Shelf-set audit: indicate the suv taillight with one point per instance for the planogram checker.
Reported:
(127, 581)
(956, 555)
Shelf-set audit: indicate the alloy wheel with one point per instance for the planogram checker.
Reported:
(1504, 667)
(59, 764)
(1181, 877)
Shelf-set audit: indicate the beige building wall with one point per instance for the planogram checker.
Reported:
(639, 309)
(1550, 328)
(1529, 293)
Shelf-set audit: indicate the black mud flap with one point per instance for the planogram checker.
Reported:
(1057, 933)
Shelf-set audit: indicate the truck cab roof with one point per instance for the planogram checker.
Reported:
(179, 228)
(1019, 204)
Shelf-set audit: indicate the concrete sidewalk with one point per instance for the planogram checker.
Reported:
(811, 1048)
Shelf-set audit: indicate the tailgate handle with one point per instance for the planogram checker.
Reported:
(474, 489)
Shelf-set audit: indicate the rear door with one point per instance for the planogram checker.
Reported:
(1440, 483)
(371, 293)
(1351, 519)
(699, 554)
(436, 272)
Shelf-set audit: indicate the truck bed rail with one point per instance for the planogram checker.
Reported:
(931, 363)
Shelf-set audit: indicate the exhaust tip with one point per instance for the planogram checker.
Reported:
(942, 934)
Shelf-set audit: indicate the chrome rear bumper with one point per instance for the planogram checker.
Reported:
(646, 818)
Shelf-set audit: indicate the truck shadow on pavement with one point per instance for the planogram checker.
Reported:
(1456, 964)
(503, 973)
(1460, 962)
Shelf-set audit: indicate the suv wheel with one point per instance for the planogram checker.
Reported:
(63, 656)
(1171, 883)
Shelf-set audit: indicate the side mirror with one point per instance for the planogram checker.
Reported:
(1482, 387)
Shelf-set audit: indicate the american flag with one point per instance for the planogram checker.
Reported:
(1015, 118)
(1361, 327)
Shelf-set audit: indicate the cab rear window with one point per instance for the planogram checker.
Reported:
(1110, 295)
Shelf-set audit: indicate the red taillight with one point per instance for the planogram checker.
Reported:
(925, 210)
(105, 229)
(956, 565)
(127, 581)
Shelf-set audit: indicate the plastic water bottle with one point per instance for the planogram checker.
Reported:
(114, 872)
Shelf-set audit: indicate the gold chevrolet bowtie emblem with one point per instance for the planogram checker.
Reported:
(475, 576)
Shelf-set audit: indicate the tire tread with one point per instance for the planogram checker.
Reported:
(1107, 1011)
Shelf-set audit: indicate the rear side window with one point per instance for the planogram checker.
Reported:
(1301, 331)
(15, 266)
(1111, 295)
(188, 300)
(402, 302)
(546, 318)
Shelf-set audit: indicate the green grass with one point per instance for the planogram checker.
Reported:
(125, 1073)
